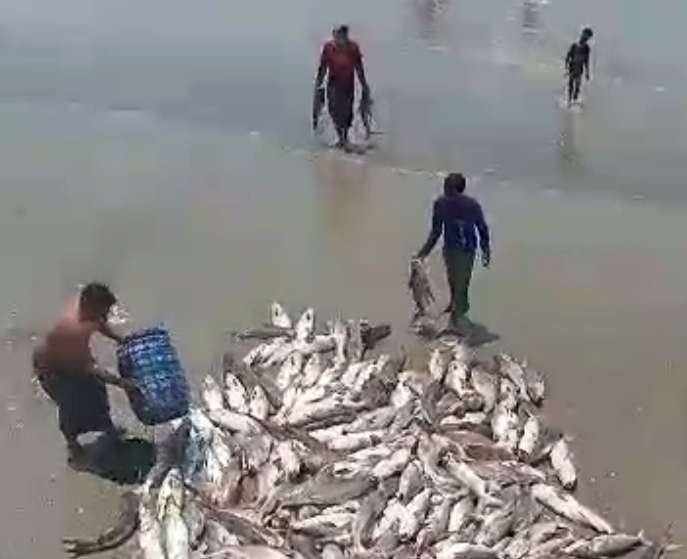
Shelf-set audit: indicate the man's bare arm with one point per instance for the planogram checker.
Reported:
(110, 378)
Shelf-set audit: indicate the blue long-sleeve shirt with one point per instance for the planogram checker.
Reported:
(461, 220)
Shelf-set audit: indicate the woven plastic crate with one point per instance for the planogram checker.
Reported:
(148, 358)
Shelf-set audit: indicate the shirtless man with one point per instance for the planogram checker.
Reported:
(67, 370)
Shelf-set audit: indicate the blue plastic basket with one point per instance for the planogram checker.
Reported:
(148, 358)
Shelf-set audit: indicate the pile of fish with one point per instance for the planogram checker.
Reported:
(310, 447)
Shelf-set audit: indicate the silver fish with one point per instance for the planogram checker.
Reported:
(536, 387)
(550, 548)
(485, 385)
(546, 530)
(420, 287)
(429, 401)
(332, 551)
(530, 437)
(150, 529)
(513, 370)
(304, 545)
(402, 394)
(194, 518)
(469, 478)
(392, 465)
(527, 512)
(289, 371)
(411, 482)
(278, 317)
(355, 347)
(312, 371)
(352, 372)
(289, 458)
(340, 334)
(505, 426)
(211, 394)
(176, 537)
(259, 406)
(508, 394)
(391, 517)
(563, 464)
(387, 542)
(370, 509)
(264, 352)
(460, 514)
(437, 365)
(257, 552)
(568, 507)
(356, 441)
(368, 373)
(457, 377)
(547, 438)
(414, 515)
(611, 545)
(379, 418)
(235, 393)
(217, 537)
(324, 525)
(451, 549)
(332, 373)
(323, 343)
(517, 547)
(437, 522)
(496, 525)
(235, 422)
(305, 327)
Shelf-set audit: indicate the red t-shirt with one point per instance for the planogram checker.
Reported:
(341, 61)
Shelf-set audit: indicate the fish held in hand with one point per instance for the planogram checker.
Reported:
(567, 506)
(420, 287)
(563, 464)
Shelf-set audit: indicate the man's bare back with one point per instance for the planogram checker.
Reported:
(68, 372)
(67, 345)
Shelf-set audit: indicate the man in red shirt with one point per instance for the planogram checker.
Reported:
(341, 61)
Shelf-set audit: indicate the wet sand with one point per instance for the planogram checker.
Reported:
(188, 180)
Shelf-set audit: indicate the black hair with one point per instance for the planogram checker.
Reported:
(97, 295)
(588, 32)
(343, 29)
(454, 183)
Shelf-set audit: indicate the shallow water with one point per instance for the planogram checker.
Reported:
(166, 151)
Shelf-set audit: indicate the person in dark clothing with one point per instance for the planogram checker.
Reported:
(461, 220)
(68, 373)
(340, 61)
(577, 64)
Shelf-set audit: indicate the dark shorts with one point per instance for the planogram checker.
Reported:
(81, 400)
(340, 104)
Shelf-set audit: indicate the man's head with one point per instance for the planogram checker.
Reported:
(587, 34)
(454, 184)
(95, 301)
(340, 34)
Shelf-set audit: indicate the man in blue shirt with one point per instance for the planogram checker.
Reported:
(461, 220)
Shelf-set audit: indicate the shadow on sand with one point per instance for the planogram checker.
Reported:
(124, 461)
(473, 334)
